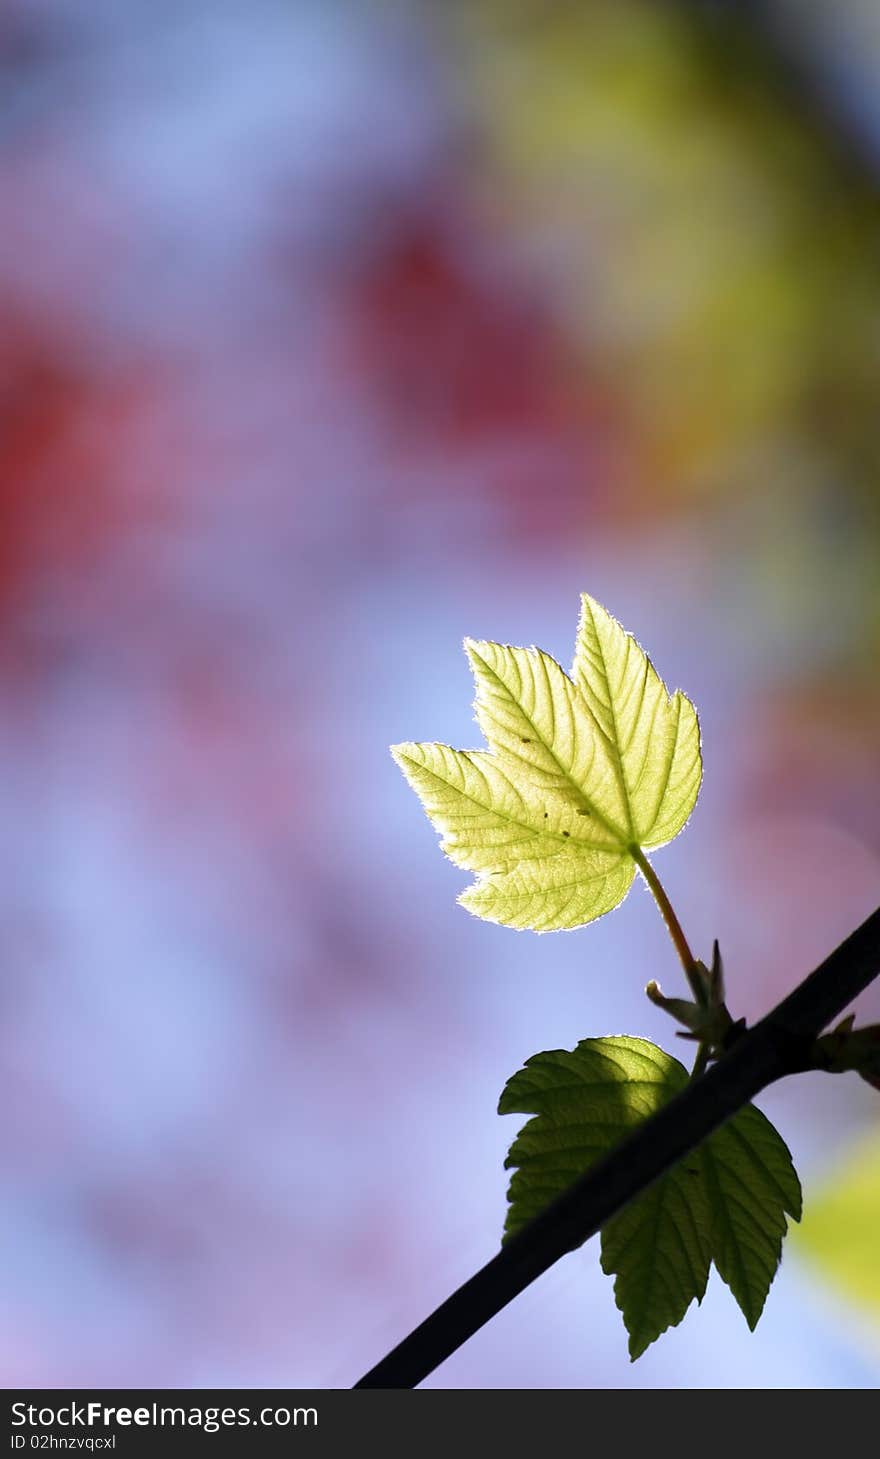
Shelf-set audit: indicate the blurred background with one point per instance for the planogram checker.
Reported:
(330, 333)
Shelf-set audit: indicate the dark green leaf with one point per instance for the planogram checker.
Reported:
(585, 1103)
(751, 1184)
(726, 1202)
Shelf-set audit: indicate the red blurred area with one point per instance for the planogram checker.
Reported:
(70, 429)
(463, 358)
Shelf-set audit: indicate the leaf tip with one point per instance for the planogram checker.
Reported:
(478, 651)
(752, 1319)
(470, 900)
(592, 609)
(404, 756)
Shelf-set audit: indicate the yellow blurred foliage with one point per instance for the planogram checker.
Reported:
(841, 1225)
(716, 257)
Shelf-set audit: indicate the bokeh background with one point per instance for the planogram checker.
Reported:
(330, 333)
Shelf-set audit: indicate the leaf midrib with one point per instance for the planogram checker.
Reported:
(594, 809)
(567, 842)
(616, 755)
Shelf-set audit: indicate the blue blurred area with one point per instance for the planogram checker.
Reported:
(296, 390)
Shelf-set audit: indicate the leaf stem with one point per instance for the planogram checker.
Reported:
(682, 946)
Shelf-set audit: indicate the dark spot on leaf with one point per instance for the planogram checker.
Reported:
(525, 739)
(585, 813)
(566, 833)
(545, 815)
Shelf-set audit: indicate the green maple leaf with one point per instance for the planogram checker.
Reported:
(725, 1203)
(582, 775)
(585, 1103)
(751, 1184)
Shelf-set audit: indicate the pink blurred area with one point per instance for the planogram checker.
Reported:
(286, 409)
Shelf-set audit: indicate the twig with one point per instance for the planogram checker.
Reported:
(781, 1044)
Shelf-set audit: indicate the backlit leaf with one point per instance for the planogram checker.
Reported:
(581, 775)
